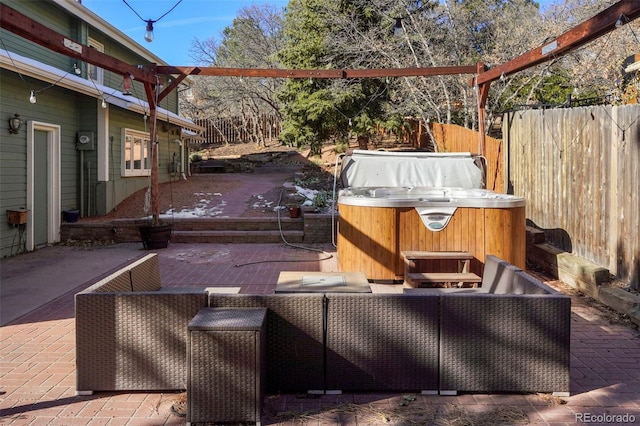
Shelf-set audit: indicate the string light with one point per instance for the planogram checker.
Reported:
(148, 35)
(398, 30)
(76, 70)
(32, 96)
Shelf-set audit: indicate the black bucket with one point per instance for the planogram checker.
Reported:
(70, 215)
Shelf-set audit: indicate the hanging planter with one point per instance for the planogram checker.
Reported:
(155, 236)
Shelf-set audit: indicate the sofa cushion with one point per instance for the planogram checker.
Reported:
(133, 340)
(505, 342)
(498, 276)
(118, 282)
(382, 342)
(294, 337)
(145, 273)
(526, 284)
(141, 274)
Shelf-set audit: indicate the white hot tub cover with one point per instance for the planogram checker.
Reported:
(410, 169)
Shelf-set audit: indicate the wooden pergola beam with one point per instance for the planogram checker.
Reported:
(577, 36)
(317, 73)
(25, 27)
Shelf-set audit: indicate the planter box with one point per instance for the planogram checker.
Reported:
(17, 217)
(155, 236)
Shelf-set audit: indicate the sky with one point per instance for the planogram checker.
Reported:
(174, 33)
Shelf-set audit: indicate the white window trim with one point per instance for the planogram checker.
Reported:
(131, 172)
(99, 71)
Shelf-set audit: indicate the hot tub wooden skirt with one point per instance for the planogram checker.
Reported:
(371, 239)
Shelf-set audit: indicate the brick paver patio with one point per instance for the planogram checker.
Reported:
(37, 353)
(37, 376)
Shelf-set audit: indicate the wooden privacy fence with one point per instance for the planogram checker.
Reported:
(578, 170)
(454, 138)
(223, 130)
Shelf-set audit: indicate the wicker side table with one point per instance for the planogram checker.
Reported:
(225, 353)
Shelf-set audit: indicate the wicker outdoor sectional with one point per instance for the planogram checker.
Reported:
(131, 333)
(510, 335)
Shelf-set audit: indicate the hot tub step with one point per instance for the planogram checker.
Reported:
(414, 279)
(437, 255)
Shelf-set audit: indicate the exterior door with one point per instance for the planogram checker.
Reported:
(43, 184)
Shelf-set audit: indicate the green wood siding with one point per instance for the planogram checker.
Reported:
(51, 16)
(72, 112)
(55, 106)
(125, 186)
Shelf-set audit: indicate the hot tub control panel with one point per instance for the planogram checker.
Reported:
(436, 222)
(435, 218)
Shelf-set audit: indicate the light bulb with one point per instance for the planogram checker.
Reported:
(104, 103)
(148, 36)
(32, 98)
(77, 70)
(398, 31)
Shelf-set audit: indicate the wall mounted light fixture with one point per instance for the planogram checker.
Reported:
(15, 123)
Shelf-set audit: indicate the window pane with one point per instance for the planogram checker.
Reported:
(128, 153)
(137, 154)
(146, 155)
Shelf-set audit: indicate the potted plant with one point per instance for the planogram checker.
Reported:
(294, 210)
(155, 235)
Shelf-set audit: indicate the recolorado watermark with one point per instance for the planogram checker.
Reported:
(605, 418)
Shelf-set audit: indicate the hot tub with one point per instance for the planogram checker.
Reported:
(377, 223)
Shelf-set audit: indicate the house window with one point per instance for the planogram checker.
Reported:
(136, 159)
(96, 73)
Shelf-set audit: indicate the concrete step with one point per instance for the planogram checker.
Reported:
(310, 228)
(238, 224)
(229, 236)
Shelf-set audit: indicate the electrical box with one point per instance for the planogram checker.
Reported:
(85, 141)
